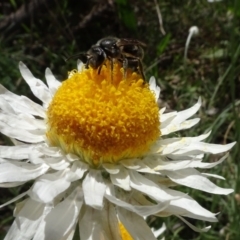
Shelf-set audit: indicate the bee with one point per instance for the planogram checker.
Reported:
(129, 52)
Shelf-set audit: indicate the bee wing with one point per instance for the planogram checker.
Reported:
(129, 41)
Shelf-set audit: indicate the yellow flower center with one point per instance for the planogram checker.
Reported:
(102, 117)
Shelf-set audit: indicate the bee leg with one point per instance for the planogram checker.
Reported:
(87, 63)
(99, 69)
(111, 61)
(140, 69)
(125, 65)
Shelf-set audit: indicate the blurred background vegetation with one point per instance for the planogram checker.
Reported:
(41, 32)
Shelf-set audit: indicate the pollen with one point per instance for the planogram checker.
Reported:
(103, 117)
(124, 233)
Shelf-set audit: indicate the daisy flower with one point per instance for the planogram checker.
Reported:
(98, 156)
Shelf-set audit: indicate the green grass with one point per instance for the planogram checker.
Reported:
(211, 71)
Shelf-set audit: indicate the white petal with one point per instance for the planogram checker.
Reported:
(22, 122)
(21, 103)
(143, 211)
(31, 120)
(50, 151)
(121, 179)
(188, 207)
(21, 134)
(199, 164)
(49, 186)
(159, 231)
(192, 178)
(169, 145)
(20, 171)
(14, 232)
(35, 157)
(88, 226)
(26, 105)
(157, 163)
(184, 205)
(142, 167)
(142, 184)
(94, 189)
(112, 168)
(80, 65)
(201, 147)
(139, 165)
(173, 127)
(178, 157)
(193, 227)
(52, 82)
(15, 152)
(163, 181)
(31, 209)
(40, 232)
(72, 157)
(62, 219)
(71, 234)
(27, 221)
(166, 118)
(38, 88)
(170, 124)
(5, 106)
(35, 123)
(213, 175)
(166, 122)
(162, 110)
(185, 114)
(133, 163)
(56, 163)
(77, 171)
(135, 225)
(153, 87)
(99, 224)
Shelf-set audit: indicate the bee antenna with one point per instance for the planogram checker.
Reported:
(74, 56)
(65, 58)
